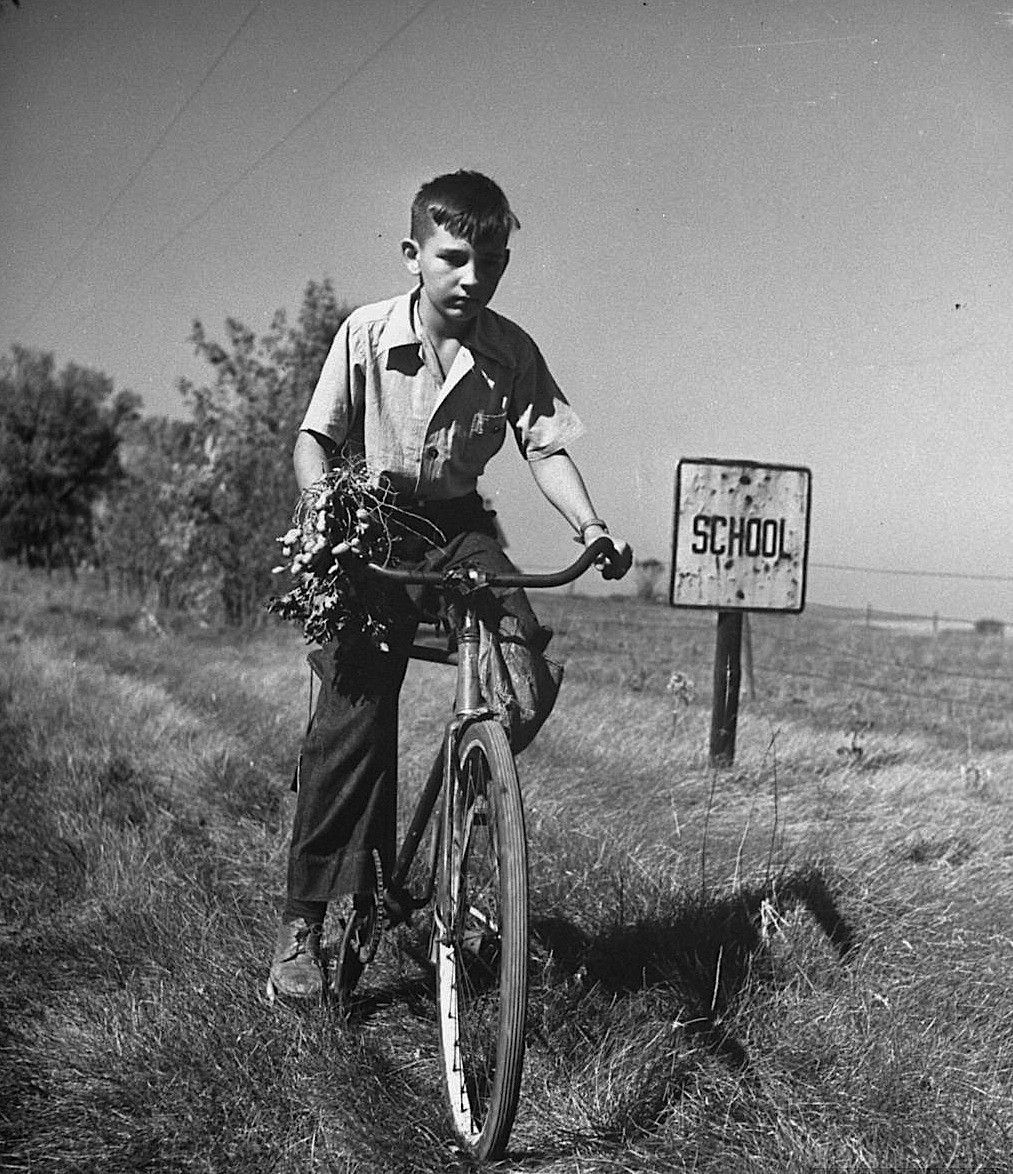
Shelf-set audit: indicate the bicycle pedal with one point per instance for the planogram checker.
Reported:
(397, 908)
(473, 940)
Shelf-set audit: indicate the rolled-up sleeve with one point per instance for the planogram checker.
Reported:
(337, 397)
(542, 420)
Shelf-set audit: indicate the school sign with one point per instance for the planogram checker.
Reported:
(741, 536)
(740, 544)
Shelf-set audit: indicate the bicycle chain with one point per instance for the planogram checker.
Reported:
(379, 919)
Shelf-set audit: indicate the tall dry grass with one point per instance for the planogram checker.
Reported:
(796, 964)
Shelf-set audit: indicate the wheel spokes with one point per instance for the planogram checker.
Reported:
(477, 941)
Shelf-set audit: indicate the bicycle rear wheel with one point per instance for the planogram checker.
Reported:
(482, 943)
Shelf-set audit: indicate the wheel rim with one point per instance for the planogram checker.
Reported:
(481, 943)
(470, 953)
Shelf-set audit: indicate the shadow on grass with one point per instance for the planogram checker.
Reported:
(631, 1060)
(703, 951)
(414, 995)
(409, 983)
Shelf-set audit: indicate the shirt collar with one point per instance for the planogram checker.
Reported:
(485, 336)
(398, 330)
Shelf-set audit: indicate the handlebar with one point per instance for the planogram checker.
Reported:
(598, 549)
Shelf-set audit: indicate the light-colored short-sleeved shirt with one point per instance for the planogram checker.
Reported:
(430, 436)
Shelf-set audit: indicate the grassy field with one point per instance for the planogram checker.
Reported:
(800, 963)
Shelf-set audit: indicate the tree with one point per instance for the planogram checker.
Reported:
(59, 439)
(245, 425)
(193, 521)
(647, 571)
(147, 527)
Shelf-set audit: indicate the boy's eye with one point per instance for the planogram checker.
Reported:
(457, 260)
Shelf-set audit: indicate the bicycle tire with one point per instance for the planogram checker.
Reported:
(481, 943)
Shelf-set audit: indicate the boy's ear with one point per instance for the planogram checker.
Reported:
(410, 252)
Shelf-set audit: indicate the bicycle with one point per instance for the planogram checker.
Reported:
(477, 876)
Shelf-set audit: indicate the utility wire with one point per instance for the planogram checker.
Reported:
(278, 143)
(135, 175)
(915, 574)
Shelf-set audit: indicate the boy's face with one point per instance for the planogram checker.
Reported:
(458, 277)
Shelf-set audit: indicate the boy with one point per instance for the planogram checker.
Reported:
(424, 385)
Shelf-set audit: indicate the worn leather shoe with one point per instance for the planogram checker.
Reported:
(295, 968)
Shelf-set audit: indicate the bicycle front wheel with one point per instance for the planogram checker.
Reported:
(481, 943)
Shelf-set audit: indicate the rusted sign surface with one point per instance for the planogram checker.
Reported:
(741, 536)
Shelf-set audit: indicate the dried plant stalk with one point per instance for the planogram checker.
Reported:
(341, 523)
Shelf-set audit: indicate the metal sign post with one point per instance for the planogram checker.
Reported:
(740, 543)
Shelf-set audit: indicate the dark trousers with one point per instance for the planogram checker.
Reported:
(347, 784)
(347, 780)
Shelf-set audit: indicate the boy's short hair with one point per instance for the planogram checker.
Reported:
(466, 203)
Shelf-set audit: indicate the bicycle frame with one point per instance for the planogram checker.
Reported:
(469, 704)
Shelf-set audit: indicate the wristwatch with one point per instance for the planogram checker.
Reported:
(585, 526)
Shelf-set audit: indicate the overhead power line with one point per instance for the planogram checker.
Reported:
(264, 156)
(139, 169)
(278, 143)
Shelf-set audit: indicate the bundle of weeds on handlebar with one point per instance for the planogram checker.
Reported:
(343, 522)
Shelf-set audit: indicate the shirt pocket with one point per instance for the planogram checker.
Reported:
(478, 441)
(488, 424)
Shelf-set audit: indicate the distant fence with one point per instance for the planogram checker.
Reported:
(949, 682)
(935, 623)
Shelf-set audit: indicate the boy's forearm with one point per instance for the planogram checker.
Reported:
(560, 481)
(310, 459)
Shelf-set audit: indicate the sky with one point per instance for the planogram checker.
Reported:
(765, 230)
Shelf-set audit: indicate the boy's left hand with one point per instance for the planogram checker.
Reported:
(617, 563)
